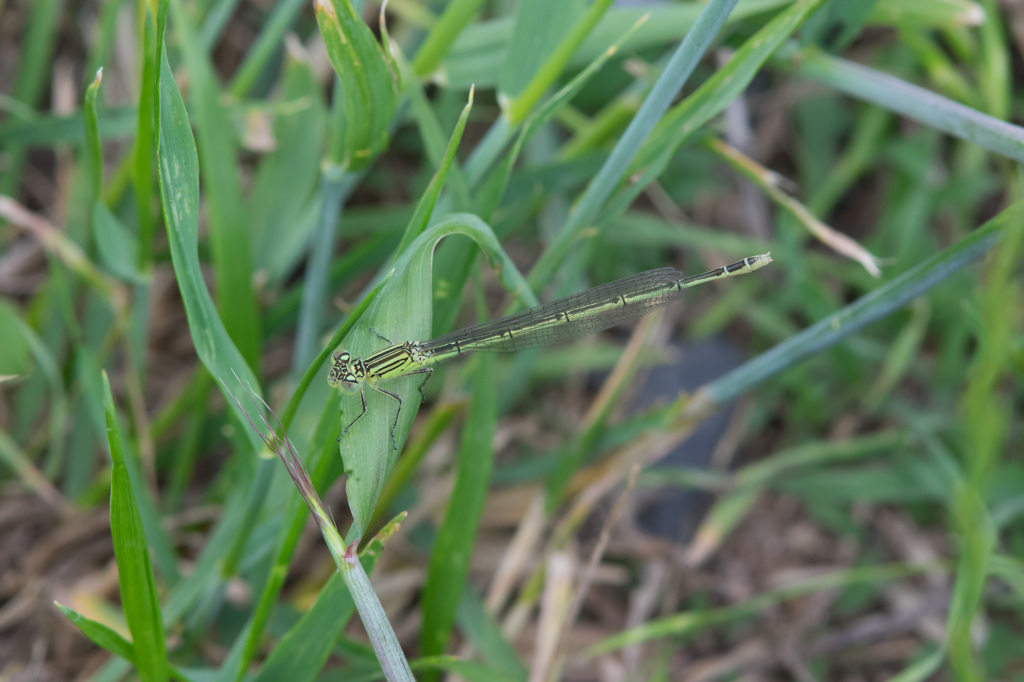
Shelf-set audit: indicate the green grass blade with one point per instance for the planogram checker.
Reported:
(676, 73)
(522, 103)
(538, 28)
(425, 208)
(435, 144)
(215, 16)
(18, 339)
(135, 572)
(922, 669)
(366, 97)
(34, 63)
(734, 505)
(48, 129)
(302, 651)
(695, 621)
(480, 628)
(994, 75)
(106, 36)
(288, 177)
(100, 634)
(877, 304)
(977, 543)
(479, 53)
(107, 638)
(946, 14)
(118, 248)
(375, 620)
(987, 415)
(711, 98)
(924, 106)
(455, 261)
(457, 15)
(265, 47)
(335, 186)
(293, 523)
(146, 133)
(160, 545)
(228, 222)
(93, 151)
(14, 344)
(179, 191)
(453, 547)
(21, 464)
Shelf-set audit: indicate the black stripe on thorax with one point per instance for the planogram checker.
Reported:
(388, 360)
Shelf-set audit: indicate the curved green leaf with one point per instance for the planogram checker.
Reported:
(403, 312)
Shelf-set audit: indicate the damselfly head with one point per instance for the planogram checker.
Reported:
(340, 371)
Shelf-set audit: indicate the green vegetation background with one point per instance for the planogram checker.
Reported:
(245, 186)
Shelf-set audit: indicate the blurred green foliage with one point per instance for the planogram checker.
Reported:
(221, 202)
